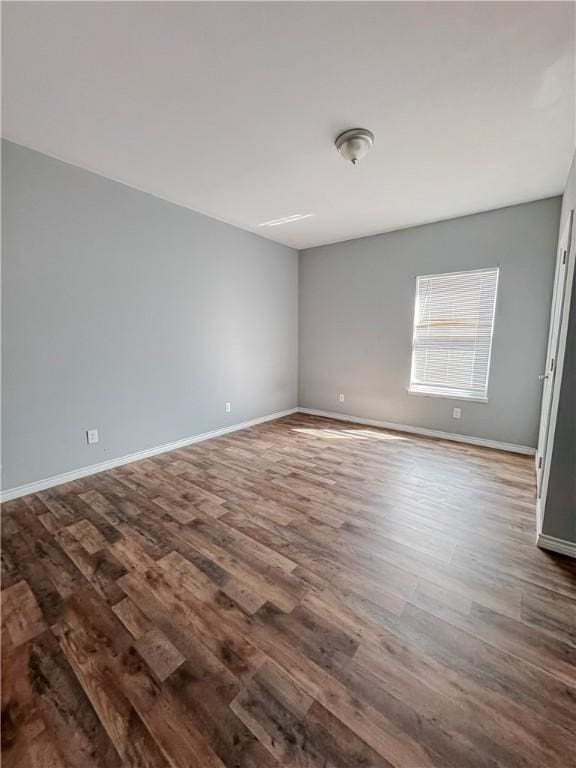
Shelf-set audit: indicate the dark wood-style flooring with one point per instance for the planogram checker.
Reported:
(301, 593)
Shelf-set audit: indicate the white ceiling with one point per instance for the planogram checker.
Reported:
(231, 109)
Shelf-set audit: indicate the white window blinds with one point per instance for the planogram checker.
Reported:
(453, 327)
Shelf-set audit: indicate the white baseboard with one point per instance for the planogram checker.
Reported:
(67, 477)
(511, 447)
(75, 474)
(561, 546)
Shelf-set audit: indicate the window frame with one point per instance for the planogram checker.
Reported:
(447, 394)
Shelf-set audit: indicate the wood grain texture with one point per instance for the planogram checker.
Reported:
(301, 593)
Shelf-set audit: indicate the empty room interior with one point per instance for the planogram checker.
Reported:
(288, 384)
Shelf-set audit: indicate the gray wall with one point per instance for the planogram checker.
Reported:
(126, 313)
(356, 314)
(559, 517)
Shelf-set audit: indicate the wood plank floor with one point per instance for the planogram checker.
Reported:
(301, 593)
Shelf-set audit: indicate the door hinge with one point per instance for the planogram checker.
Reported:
(540, 463)
(552, 364)
(564, 258)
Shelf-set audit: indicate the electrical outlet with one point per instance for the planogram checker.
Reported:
(457, 413)
(341, 397)
(228, 407)
(91, 436)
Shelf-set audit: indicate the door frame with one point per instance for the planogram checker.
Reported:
(550, 366)
(568, 231)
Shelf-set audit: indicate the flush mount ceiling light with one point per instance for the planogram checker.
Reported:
(354, 144)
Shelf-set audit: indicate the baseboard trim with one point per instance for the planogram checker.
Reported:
(510, 447)
(67, 477)
(93, 469)
(561, 546)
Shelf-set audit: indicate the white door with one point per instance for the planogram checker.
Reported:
(549, 374)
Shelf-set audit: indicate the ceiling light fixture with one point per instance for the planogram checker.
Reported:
(286, 219)
(354, 144)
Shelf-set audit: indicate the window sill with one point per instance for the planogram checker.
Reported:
(466, 398)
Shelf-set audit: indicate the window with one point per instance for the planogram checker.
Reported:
(453, 326)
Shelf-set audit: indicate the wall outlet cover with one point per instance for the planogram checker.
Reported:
(228, 407)
(91, 436)
(457, 413)
(341, 397)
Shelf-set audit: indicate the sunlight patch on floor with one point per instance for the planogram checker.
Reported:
(346, 434)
